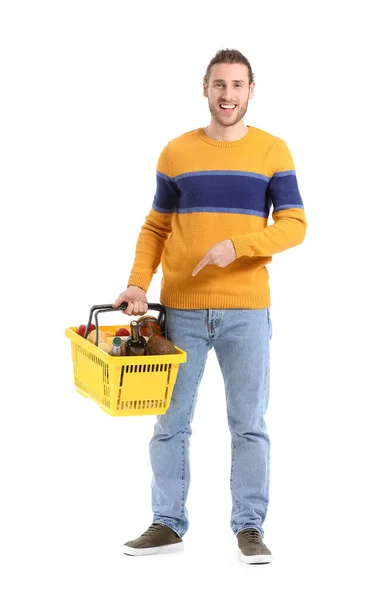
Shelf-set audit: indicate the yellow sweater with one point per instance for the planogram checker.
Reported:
(209, 191)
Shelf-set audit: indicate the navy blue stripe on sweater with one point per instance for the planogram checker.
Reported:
(226, 191)
(283, 191)
(165, 198)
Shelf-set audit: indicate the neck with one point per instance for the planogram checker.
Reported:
(226, 134)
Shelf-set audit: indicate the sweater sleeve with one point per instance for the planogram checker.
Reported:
(289, 228)
(157, 226)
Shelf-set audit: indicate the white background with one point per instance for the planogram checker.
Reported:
(91, 92)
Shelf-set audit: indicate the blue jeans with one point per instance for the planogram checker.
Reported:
(241, 339)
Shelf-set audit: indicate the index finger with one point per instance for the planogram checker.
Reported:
(119, 301)
(200, 266)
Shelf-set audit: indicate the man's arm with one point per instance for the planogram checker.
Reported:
(289, 228)
(157, 226)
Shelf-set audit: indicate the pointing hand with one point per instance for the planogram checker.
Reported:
(221, 255)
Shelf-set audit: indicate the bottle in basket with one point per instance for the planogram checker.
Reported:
(149, 325)
(117, 349)
(136, 343)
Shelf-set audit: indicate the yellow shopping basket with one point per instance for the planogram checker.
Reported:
(124, 385)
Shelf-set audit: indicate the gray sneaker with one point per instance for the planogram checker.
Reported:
(157, 539)
(253, 550)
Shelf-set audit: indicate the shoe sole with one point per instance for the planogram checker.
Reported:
(155, 550)
(258, 559)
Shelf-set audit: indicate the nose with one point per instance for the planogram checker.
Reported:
(228, 91)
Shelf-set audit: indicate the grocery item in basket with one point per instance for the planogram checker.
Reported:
(159, 345)
(105, 347)
(82, 328)
(101, 336)
(117, 348)
(136, 344)
(149, 325)
(121, 331)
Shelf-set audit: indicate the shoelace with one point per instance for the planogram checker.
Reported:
(153, 529)
(251, 535)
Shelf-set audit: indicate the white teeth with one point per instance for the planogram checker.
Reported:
(228, 105)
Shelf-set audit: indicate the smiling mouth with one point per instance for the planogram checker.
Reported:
(227, 107)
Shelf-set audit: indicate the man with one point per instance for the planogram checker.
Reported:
(208, 228)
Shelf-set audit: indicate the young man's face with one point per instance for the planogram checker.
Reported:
(228, 84)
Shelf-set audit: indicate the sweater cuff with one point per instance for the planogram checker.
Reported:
(140, 280)
(243, 245)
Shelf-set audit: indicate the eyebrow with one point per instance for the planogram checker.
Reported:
(234, 80)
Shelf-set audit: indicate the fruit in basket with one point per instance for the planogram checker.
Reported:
(159, 345)
(82, 328)
(101, 336)
(122, 331)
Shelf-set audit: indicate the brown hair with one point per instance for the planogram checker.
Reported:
(229, 56)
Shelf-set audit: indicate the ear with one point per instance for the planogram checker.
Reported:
(251, 89)
(205, 89)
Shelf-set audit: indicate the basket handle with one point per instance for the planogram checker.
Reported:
(109, 308)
